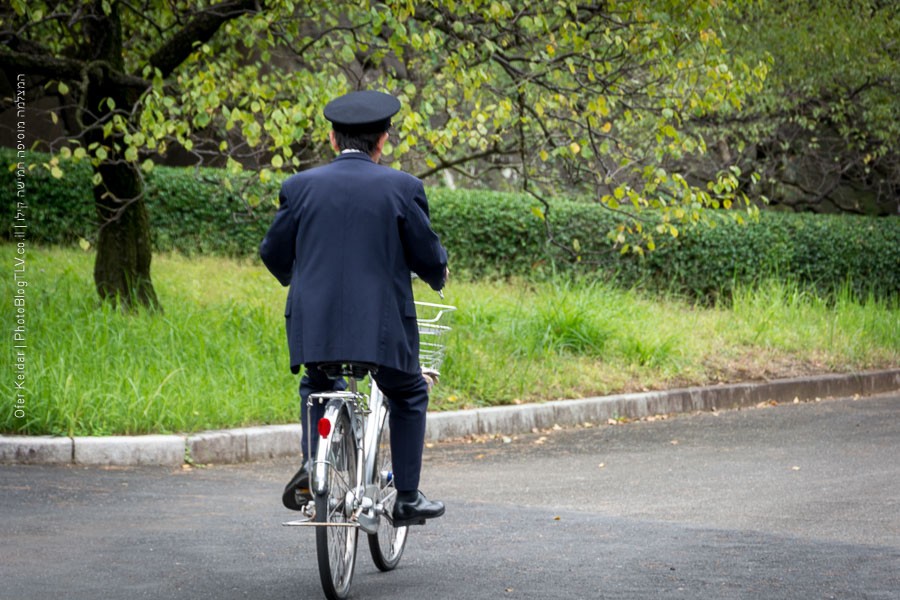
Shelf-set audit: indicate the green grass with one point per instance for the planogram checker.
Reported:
(213, 358)
(216, 356)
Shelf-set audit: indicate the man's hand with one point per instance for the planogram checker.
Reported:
(444, 283)
(430, 376)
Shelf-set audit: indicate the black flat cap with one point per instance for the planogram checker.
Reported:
(362, 112)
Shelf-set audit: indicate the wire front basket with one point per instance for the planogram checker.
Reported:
(434, 324)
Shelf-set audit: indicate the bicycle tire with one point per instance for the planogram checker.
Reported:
(336, 545)
(387, 544)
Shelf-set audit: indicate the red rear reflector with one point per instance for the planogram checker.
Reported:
(324, 427)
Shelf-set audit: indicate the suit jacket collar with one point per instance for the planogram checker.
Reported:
(353, 156)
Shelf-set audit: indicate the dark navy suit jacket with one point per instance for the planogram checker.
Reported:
(346, 238)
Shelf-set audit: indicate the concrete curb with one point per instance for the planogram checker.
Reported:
(524, 418)
(257, 443)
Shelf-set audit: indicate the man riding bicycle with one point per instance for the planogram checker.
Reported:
(346, 238)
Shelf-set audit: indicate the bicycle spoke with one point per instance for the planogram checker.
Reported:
(336, 545)
(386, 545)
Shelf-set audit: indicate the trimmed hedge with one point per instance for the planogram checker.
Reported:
(827, 252)
(60, 211)
(497, 234)
(493, 234)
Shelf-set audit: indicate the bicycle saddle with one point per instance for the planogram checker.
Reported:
(356, 370)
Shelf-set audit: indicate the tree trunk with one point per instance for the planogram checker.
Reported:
(122, 266)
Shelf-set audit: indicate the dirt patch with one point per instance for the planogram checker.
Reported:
(748, 367)
(752, 366)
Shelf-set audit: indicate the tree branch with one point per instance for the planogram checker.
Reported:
(200, 29)
(65, 68)
(444, 164)
(44, 65)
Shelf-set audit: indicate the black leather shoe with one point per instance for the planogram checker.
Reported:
(296, 493)
(415, 510)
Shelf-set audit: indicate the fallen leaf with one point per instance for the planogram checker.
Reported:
(602, 465)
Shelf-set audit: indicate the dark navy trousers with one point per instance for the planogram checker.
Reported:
(407, 395)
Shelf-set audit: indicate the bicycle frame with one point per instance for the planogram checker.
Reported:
(365, 412)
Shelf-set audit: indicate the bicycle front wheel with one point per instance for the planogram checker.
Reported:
(336, 542)
(386, 545)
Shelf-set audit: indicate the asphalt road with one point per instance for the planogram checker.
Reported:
(793, 502)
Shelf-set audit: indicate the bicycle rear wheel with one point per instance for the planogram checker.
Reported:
(336, 544)
(386, 545)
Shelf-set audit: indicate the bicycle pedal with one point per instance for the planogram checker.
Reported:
(308, 514)
(298, 522)
(408, 522)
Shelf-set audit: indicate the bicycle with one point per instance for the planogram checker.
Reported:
(351, 473)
